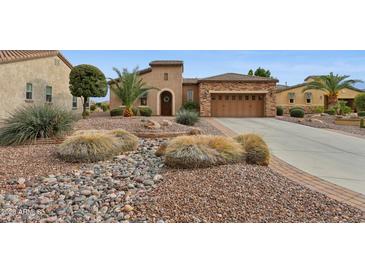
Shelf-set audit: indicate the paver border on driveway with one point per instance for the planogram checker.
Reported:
(301, 177)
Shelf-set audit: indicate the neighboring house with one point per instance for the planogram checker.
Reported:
(30, 77)
(294, 96)
(225, 95)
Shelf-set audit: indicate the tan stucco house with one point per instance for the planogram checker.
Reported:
(35, 77)
(295, 96)
(225, 95)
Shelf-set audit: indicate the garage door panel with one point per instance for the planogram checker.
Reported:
(237, 105)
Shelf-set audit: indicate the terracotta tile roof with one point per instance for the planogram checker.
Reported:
(238, 77)
(9, 56)
(190, 80)
(166, 62)
(281, 88)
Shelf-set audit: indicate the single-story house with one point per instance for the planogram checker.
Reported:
(295, 96)
(35, 77)
(225, 95)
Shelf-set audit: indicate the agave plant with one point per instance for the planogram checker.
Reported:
(331, 84)
(129, 87)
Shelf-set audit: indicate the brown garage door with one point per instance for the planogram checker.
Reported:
(237, 105)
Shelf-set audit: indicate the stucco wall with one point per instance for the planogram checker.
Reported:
(42, 72)
(194, 88)
(155, 78)
(205, 99)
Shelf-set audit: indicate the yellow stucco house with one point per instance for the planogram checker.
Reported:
(30, 77)
(294, 96)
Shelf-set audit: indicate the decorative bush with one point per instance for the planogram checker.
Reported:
(92, 107)
(297, 112)
(360, 102)
(116, 112)
(127, 140)
(104, 107)
(89, 147)
(191, 105)
(330, 111)
(279, 111)
(257, 151)
(33, 122)
(161, 150)
(202, 151)
(362, 123)
(145, 111)
(187, 117)
(361, 114)
(319, 109)
(341, 108)
(135, 111)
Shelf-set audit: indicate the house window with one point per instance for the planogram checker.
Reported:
(29, 92)
(48, 94)
(261, 97)
(239, 97)
(233, 97)
(246, 97)
(253, 97)
(308, 97)
(74, 102)
(144, 100)
(189, 95)
(227, 97)
(166, 76)
(219, 97)
(213, 97)
(291, 97)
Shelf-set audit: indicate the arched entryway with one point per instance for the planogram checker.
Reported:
(166, 103)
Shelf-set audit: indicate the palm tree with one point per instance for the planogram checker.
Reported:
(331, 84)
(129, 87)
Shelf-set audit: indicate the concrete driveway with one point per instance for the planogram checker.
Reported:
(332, 156)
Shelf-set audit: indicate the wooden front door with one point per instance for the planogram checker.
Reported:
(166, 103)
(237, 105)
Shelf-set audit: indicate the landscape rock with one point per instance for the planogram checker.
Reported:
(166, 123)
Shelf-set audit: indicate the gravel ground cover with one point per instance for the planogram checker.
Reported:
(27, 162)
(238, 193)
(326, 122)
(101, 192)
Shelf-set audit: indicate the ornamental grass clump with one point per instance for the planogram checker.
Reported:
(257, 151)
(88, 147)
(202, 151)
(127, 140)
(33, 122)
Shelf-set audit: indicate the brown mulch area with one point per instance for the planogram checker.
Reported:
(30, 161)
(239, 193)
(327, 122)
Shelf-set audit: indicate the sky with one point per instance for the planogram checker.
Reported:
(289, 67)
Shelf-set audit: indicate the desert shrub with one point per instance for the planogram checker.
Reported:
(342, 108)
(88, 147)
(319, 109)
(297, 112)
(279, 111)
(92, 107)
(127, 140)
(191, 105)
(187, 117)
(202, 151)
(361, 114)
(116, 112)
(145, 111)
(330, 111)
(104, 107)
(362, 123)
(135, 111)
(257, 151)
(360, 102)
(33, 122)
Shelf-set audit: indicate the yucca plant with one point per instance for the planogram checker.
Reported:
(38, 121)
(129, 87)
(331, 84)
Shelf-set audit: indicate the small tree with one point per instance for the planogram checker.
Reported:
(129, 87)
(260, 72)
(87, 81)
(360, 102)
(331, 84)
